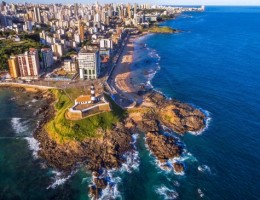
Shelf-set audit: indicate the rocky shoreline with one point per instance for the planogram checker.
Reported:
(105, 153)
(101, 154)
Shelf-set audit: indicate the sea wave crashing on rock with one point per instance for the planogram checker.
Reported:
(166, 193)
(34, 146)
(59, 178)
(104, 183)
(19, 126)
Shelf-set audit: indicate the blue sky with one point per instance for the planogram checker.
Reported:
(165, 2)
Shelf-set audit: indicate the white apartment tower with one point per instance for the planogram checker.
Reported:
(106, 44)
(89, 64)
(29, 64)
(37, 15)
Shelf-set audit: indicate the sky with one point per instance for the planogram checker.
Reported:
(158, 2)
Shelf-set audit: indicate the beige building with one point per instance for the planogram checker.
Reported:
(13, 67)
(57, 49)
(70, 65)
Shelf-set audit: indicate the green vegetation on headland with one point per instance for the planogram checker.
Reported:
(61, 129)
(160, 29)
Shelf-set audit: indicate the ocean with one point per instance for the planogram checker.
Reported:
(213, 64)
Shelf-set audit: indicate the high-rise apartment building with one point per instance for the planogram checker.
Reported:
(89, 64)
(81, 30)
(37, 15)
(29, 64)
(13, 67)
(58, 49)
(47, 58)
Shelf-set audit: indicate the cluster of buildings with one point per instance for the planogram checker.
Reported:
(82, 37)
(28, 64)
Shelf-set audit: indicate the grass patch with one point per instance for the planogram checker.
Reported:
(161, 29)
(61, 129)
(9, 47)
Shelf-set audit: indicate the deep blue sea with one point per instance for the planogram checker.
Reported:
(214, 64)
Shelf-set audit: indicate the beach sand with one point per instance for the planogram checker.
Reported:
(122, 72)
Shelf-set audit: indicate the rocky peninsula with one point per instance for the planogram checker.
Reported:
(107, 150)
(111, 146)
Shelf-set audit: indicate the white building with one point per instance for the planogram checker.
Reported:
(37, 15)
(47, 58)
(89, 64)
(70, 65)
(29, 64)
(77, 37)
(106, 44)
(58, 49)
(27, 26)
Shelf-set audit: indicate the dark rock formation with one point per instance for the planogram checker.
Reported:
(107, 152)
(178, 116)
(163, 147)
(178, 167)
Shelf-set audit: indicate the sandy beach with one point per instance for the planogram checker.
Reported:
(122, 72)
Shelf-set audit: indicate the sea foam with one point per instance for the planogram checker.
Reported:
(59, 178)
(34, 146)
(166, 193)
(111, 191)
(207, 122)
(18, 126)
(131, 163)
(204, 169)
(132, 159)
(201, 194)
(168, 166)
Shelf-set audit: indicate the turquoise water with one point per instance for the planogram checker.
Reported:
(214, 64)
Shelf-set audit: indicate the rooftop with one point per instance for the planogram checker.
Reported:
(83, 98)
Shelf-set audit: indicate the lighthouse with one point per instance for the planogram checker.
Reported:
(93, 95)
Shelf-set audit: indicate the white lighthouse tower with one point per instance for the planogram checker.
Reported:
(93, 95)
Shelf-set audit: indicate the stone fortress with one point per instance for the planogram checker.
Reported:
(88, 105)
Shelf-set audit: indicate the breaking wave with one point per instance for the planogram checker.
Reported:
(59, 179)
(34, 146)
(131, 163)
(204, 169)
(18, 126)
(207, 122)
(166, 193)
(168, 166)
(111, 190)
(201, 194)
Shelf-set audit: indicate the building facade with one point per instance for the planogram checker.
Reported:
(70, 65)
(47, 58)
(58, 49)
(89, 64)
(106, 47)
(13, 67)
(29, 64)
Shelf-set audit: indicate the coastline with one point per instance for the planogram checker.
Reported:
(107, 152)
(123, 71)
(27, 87)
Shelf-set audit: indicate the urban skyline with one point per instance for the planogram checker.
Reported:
(160, 2)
